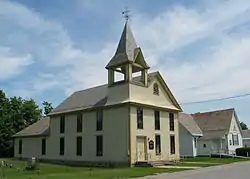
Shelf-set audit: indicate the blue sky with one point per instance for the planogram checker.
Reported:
(49, 49)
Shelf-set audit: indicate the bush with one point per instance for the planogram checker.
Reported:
(244, 151)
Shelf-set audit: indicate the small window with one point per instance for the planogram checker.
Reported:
(43, 146)
(20, 146)
(230, 142)
(157, 120)
(139, 118)
(171, 121)
(99, 120)
(79, 146)
(79, 123)
(62, 124)
(157, 144)
(156, 89)
(204, 145)
(62, 145)
(195, 142)
(172, 144)
(99, 146)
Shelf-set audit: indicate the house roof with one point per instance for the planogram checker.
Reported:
(187, 121)
(127, 49)
(40, 128)
(98, 97)
(214, 124)
(246, 134)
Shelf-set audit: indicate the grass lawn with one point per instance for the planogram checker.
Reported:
(214, 160)
(48, 171)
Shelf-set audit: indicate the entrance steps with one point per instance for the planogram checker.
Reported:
(153, 163)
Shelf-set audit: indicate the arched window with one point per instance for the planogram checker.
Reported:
(156, 89)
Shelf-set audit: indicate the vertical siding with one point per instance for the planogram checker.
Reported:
(186, 143)
(149, 132)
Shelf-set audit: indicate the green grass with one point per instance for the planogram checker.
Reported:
(48, 171)
(214, 160)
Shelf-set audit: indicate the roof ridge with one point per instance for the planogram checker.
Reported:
(214, 111)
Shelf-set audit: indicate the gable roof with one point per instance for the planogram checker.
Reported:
(187, 121)
(127, 49)
(246, 134)
(40, 128)
(98, 96)
(214, 123)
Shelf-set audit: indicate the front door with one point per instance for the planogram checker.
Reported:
(141, 148)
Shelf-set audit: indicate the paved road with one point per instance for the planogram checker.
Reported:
(239, 170)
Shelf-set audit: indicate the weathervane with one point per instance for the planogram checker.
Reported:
(126, 14)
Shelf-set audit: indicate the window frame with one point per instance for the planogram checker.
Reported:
(62, 124)
(62, 146)
(79, 146)
(44, 146)
(20, 146)
(157, 144)
(99, 120)
(156, 89)
(235, 142)
(99, 145)
(157, 120)
(139, 112)
(79, 122)
(172, 145)
(171, 122)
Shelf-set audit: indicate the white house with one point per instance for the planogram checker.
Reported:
(246, 138)
(189, 135)
(121, 122)
(221, 132)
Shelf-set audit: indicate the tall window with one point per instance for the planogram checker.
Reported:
(79, 123)
(20, 146)
(157, 144)
(99, 145)
(172, 144)
(99, 120)
(157, 120)
(79, 146)
(62, 145)
(62, 124)
(195, 142)
(43, 146)
(171, 121)
(235, 139)
(156, 89)
(139, 118)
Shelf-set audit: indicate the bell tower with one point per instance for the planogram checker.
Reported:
(128, 59)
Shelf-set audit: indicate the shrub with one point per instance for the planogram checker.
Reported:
(244, 151)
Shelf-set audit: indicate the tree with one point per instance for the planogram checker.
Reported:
(47, 107)
(15, 114)
(243, 126)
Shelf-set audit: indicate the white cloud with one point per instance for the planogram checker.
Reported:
(10, 64)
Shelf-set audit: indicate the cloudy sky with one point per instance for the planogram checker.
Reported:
(51, 48)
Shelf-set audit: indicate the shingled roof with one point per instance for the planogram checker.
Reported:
(187, 121)
(214, 124)
(246, 134)
(40, 128)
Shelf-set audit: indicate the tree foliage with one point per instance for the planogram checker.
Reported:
(16, 113)
(47, 107)
(243, 126)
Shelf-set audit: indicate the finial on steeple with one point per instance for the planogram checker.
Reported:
(126, 14)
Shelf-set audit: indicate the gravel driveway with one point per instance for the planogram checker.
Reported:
(240, 170)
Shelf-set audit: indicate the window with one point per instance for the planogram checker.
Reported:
(230, 142)
(157, 120)
(99, 145)
(62, 141)
(204, 145)
(99, 120)
(79, 123)
(62, 124)
(43, 146)
(79, 146)
(156, 89)
(20, 146)
(172, 144)
(171, 121)
(139, 118)
(195, 142)
(235, 139)
(157, 144)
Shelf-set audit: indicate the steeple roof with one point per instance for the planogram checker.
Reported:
(127, 49)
